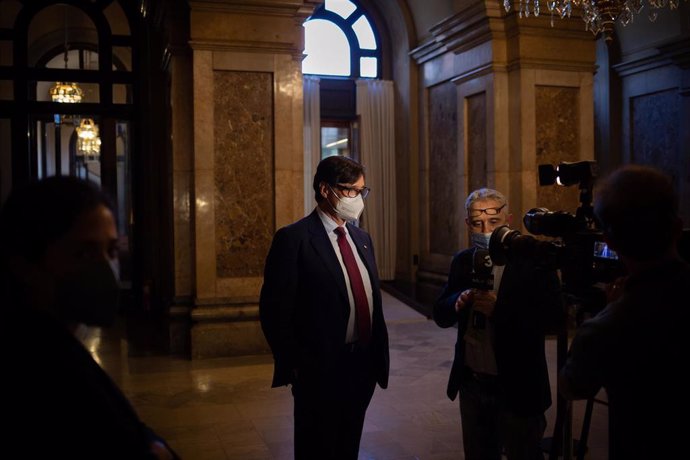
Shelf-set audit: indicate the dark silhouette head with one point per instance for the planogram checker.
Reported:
(637, 208)
(36, 215)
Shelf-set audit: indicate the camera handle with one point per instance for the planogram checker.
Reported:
(562, 440)
(581, 446)
(585, 212)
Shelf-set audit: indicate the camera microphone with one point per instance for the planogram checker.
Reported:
(482, 276)
(482, 279)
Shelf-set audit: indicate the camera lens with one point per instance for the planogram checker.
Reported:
(541, 221)
(499, 244)
(506, 244)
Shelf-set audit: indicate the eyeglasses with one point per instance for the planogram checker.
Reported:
(352, 192)
(487, 211)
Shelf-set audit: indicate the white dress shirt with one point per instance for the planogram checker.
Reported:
(330, 225)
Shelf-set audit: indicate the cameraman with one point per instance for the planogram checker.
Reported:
(634, 347)
(499, 368)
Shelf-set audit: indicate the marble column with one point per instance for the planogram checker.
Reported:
(246, 175)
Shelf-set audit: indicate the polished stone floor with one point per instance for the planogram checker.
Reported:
(219, 409)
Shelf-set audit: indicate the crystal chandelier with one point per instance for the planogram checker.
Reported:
(64, 91)
(599, 15)
(88, 142)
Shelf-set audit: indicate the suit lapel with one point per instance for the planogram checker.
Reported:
(324, 248)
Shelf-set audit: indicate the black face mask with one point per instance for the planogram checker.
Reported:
(89, 295)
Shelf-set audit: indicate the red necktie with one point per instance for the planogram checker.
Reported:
(361, 304)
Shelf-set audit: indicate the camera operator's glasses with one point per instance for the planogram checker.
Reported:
(487, 211)
(352, 192)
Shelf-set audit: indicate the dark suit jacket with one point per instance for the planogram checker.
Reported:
(304, 306)
(635, 349)
(58, 401)
(528, 305)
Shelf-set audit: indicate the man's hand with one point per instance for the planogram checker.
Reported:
(479, 300)
(465, 299)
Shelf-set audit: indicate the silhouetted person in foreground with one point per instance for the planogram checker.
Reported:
(58, 248)
(637, 346)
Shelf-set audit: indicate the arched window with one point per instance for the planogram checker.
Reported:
(341, 41)
(341, 45)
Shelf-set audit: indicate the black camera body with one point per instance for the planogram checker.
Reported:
(578, 250)
(582, 256)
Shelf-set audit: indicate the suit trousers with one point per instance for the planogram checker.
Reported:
(490, 429)
(330, 407)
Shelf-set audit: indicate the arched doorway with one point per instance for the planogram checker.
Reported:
(73, 97)
(68, 68)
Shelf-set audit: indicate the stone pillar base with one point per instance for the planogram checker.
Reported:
(226, 328)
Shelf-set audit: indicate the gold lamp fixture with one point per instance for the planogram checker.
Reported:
(599, 15)
(88, 141)
(66, 92)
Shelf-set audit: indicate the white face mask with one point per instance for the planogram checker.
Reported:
(349, 208)
(480, 240)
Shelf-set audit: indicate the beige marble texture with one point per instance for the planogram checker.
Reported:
(204, 205)
(205, 249)
(241, 286)
(184, 276)
(266, 192)
(246, 161)
(557, 140)
(243, 118)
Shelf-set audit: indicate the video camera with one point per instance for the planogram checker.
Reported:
(579, 250)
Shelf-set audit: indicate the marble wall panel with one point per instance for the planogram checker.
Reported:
(182, 228)
(557, 139)
(183, 253)
(444, 194)
(206, 270)
(476, 141)
(655, 120)
(243, 157)
(182, 103)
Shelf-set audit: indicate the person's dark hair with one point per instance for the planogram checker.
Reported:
(637, 208)
(336, 170)
(35, 216)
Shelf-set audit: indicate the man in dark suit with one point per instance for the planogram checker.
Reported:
(321, 313)
(503, 315)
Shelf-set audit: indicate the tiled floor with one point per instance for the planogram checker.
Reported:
(225, 409)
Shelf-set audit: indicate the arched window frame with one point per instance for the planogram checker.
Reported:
(356, 52)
